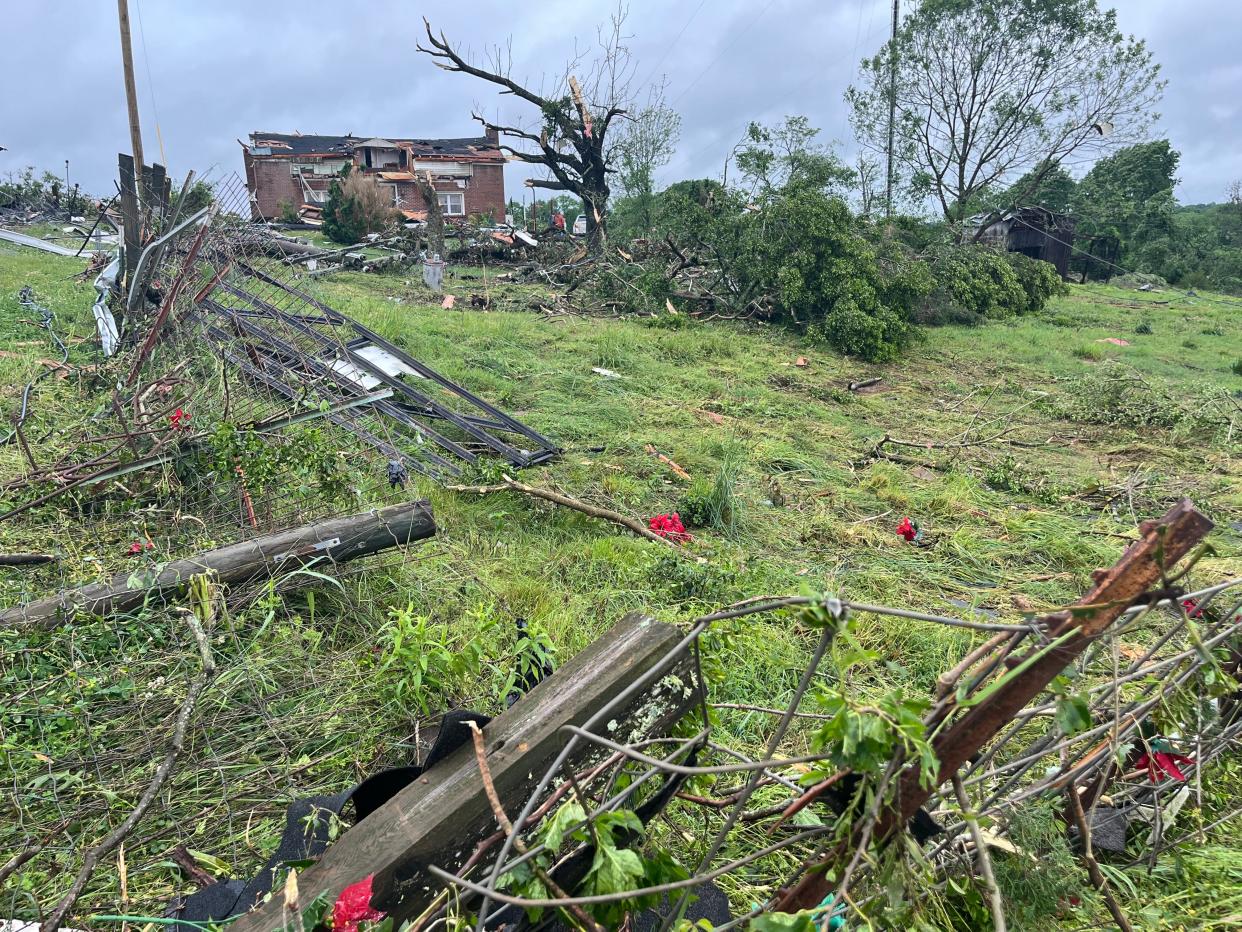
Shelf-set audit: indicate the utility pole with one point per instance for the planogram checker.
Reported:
(892, 114)
(131, 95)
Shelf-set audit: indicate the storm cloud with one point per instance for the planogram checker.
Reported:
(211, 73)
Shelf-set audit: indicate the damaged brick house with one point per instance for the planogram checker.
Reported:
(468, 174)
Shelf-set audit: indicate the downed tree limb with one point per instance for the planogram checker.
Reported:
(334, 541)
(1068, 634)
(995, 902)
(25, 559)
(162, 772)
(31, 850)
(1093, 867)
(506, 826)
(865, 383)
(556, 498)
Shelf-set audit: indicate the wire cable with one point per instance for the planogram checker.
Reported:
(26, 298)
(1082, 252)
(720, 55)
(142, 38)
(672, 45)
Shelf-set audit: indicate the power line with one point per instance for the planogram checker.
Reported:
(142, 38)
(862, 4)
(672, 45)
(721, 55)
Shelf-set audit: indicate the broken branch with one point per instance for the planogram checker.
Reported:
(502, 819)
(557, 498)
(1093, 867)
(25, 559)
(981, 855)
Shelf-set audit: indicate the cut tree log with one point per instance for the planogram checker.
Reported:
(441, 817)
(332, 541)
(25, 559)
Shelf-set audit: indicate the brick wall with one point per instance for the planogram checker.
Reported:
(271, 182)
(487, 192)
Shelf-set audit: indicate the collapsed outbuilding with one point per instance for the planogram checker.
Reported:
(1033, 231)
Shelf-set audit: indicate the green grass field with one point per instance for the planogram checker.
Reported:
(1081, 440)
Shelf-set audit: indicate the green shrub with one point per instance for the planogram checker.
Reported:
(804, 259)
(1088, 351)
(811, 256)
(1236, 368)
(714, 504)
(356, 206)
(684, 581)
(978, 282)
(1040, 280)
(1144, 328)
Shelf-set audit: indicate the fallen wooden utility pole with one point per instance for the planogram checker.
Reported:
(437, 820)
(334, 541)
(1162, 544)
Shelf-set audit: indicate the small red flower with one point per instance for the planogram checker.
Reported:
(908, 530)
(354, 906)
(1192, 608)
(138, 546)
(669, 526)
(179, 420)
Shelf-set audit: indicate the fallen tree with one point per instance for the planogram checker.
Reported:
(334, 541)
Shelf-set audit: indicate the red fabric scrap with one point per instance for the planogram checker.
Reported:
(354, 906)
(1164, 763)
(669, 526)
(907, 530)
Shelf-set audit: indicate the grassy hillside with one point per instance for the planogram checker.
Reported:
(1069, 442)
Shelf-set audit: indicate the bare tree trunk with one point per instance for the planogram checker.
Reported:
(570, 140)
(435, 216)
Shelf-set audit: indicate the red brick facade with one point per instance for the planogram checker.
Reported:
(280, 170)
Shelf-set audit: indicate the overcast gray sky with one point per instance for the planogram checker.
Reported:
(211, 72)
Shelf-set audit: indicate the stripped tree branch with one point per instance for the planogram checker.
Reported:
(981, 855)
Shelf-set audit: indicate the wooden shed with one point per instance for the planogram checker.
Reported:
(1033, 231)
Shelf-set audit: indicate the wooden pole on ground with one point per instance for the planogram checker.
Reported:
(443, 815)
(333, 541)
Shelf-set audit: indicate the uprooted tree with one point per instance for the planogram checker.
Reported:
(574, 118)
(987, 90)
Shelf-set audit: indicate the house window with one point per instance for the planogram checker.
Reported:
(452, 203)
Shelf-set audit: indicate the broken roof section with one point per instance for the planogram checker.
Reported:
(295, 145)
